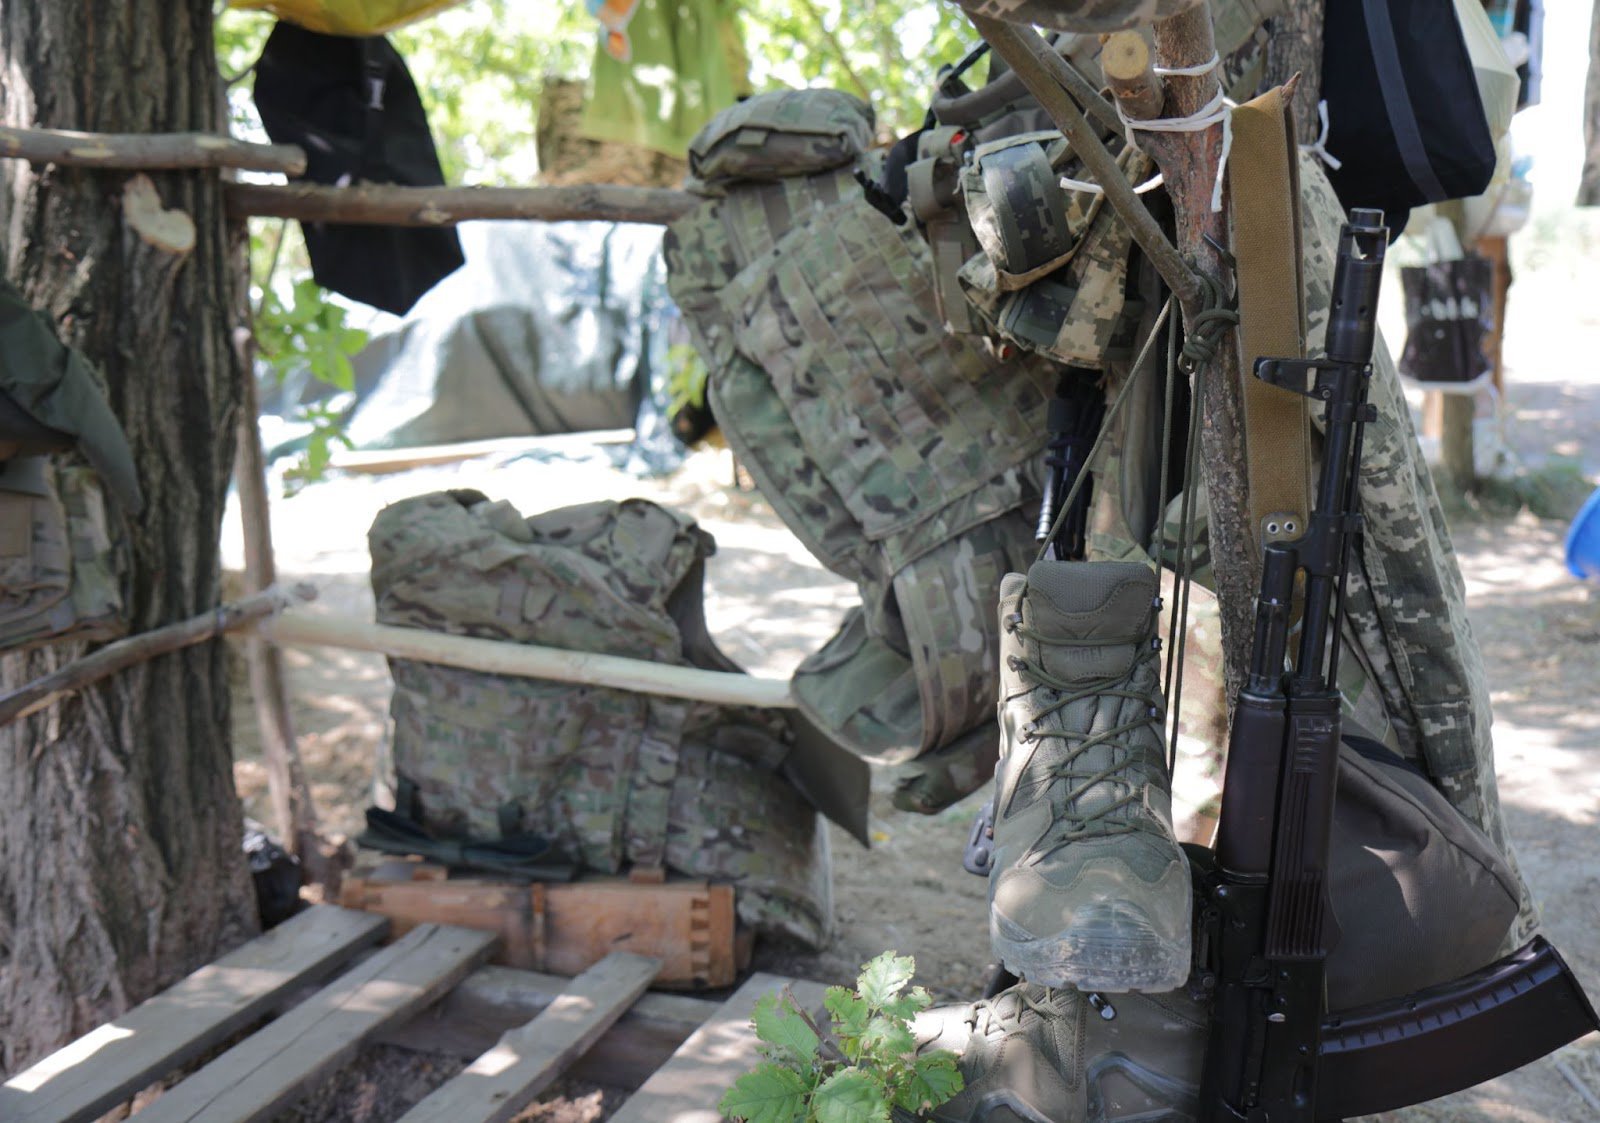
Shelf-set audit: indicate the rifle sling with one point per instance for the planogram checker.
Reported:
(1264, 180)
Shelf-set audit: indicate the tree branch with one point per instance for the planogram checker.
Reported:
(1040, 69)
(1189, 163)
(384, 205)
(124, 653)
(148, 150)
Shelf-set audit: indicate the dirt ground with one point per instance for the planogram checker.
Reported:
(770, 604)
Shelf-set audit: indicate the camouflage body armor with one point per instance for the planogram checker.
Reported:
(902, 454)
(609, 777)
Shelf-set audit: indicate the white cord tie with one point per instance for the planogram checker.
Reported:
(1319, 148)
(1219, 110)
(1071, 184)
(1189, 71)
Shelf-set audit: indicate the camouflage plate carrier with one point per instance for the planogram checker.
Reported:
(609, 777)
(901, 455)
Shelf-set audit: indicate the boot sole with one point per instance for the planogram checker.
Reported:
(1110, 946)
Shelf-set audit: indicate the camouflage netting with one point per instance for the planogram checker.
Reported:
(610, 777)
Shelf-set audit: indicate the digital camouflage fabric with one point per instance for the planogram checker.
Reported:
(610, 777)
(900, 454)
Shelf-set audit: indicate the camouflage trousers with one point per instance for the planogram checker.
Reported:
(1411, 672)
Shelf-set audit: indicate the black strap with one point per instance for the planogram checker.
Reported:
(1397, 100)
(520, 855)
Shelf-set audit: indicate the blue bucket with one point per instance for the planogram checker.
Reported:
(1583, 540)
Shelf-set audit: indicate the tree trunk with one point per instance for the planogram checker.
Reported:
(1589, 185)
(120, 860)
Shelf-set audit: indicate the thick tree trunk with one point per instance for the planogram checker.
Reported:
(120, 863)
(1589, 185)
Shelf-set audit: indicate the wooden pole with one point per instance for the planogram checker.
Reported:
(148, 150)
(299, 629)
(1189, 163)
(292, 807)
(124, 653)
(384, 205)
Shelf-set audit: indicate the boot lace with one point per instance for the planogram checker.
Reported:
(1007, 1010)
(1095, 821)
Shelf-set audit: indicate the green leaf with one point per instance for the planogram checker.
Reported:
(851, 1096)
(849, 1012)
(934, 1078)
(909, 1004)
(884, 977)
(780, 1026)
(888, 1039)
(769, 1094)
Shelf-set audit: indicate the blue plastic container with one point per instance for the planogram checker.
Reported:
(1583, 540)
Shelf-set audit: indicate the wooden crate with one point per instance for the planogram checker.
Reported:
(565, 928)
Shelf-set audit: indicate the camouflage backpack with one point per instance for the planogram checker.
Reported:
(608, 777)
(900, 454)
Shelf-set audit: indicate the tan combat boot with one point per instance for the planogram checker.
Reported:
(1089, 887)
(1036, 1055)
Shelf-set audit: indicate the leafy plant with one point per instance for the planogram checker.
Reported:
(865, 1070)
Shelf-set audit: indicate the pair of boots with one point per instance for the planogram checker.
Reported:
(1089, 891)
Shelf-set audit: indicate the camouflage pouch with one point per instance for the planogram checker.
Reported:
(58, 577)
(1053, 275)
(785, 133)
(608, 777)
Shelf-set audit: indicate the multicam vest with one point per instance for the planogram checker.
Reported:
(610, 777)
(900, 454)
(59, 576)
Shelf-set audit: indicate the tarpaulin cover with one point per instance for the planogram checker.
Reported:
(348, 17)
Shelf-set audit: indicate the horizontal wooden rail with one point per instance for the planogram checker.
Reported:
(148, 151)
(386, 205)
(302, 629)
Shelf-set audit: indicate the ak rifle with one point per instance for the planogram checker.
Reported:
(1265, 926)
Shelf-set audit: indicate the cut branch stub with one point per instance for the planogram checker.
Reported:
(1125, 62)
(142, 212)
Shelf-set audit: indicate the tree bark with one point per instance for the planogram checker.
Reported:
(1296, 48)
(120, 858)
(1589, 184)
(1189, 162)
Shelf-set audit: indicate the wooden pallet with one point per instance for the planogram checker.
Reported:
(569, 927)
(298, 1002)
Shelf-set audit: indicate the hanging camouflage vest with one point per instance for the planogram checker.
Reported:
(898, 453)
(608, 777)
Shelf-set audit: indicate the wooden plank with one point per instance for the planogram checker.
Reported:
(686, 1089)
(507, 908)
(491, 1000)
(108, 1065)
(267, 1069)
(528, 1059)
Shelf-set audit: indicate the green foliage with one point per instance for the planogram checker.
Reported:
(887, 51)
(309, 334)
(865, 1070)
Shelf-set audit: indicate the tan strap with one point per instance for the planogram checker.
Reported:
(1263, 175)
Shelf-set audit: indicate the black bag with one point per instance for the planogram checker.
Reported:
(1405, 119)
(1448, 311)
(351, 104)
